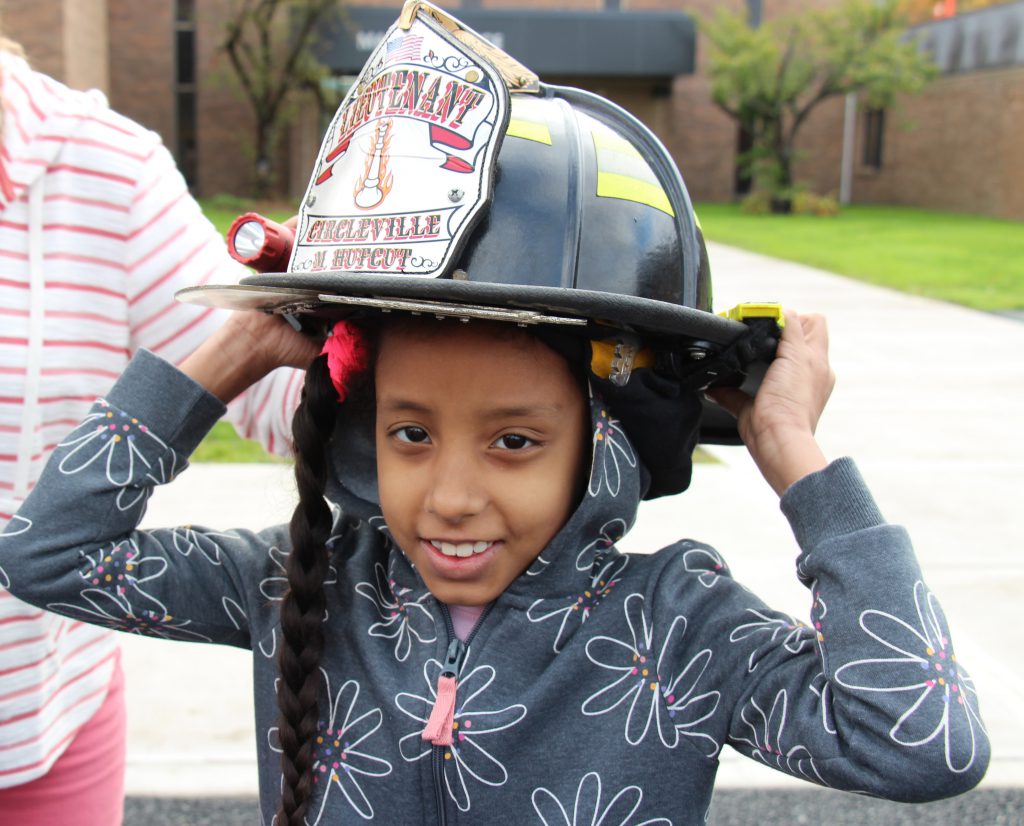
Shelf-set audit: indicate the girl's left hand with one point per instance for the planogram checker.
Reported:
(778, 424)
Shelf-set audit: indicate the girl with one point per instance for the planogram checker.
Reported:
(479, 650)
(446, 631)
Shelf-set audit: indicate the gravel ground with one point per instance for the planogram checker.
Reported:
(732, 807)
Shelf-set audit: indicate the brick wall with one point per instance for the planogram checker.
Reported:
(39, 28)
(66, 39)
(142, 63)
(956, 146)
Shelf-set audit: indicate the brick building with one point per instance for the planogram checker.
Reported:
(956, 146)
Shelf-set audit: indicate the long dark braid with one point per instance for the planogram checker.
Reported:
(304, 605)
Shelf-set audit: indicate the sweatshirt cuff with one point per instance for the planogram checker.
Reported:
(173, 406)
(832, 502)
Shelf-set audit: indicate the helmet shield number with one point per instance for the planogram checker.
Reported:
(407, 164)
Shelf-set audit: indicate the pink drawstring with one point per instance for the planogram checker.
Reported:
(442, 717)
(345, 349)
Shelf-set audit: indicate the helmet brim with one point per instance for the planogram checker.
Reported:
(325, 295)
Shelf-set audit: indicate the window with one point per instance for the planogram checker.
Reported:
(874, 131)
(185, 144)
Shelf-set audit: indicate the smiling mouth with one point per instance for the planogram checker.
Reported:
(460, 549)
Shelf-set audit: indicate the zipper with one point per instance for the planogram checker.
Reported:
(454, 658)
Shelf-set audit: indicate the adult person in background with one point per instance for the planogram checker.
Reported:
(97, 232)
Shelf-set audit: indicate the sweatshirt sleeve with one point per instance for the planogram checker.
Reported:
(870, 696)
(73, 548)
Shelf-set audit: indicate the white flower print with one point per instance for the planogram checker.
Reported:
(111, 435)
(611, 532)
(274, 587)
(821, 688)
(575, 610)
(588, 808)
(235, 612)
(707, 563)
(113, 597)
(15, 527)
(467, 759)
(795, 635)
(611, 447)
(341, 759)
(646, 684)
(187, 539)
(921, 664)
(403, 618)
(766, 738)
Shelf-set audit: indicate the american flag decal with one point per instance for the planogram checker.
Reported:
(408, 47)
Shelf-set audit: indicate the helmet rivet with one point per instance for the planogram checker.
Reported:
(455, 195)
(310, 200)
(460, 275)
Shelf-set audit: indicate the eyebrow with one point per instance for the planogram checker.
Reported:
(399, 405)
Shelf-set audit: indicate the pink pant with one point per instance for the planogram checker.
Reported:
(85, 787)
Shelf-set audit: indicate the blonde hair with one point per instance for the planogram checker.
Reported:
(11, 46)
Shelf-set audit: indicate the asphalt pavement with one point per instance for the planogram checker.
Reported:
(929, 401)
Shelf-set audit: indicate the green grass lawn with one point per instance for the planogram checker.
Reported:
(223, 209)
(966, 259)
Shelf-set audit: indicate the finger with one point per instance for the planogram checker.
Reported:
(730, 399)
(292, 222)
(815, 329)
(793, 332)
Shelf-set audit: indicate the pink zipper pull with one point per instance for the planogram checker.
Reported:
(438, 729)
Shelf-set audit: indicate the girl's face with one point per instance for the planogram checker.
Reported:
(480, 448)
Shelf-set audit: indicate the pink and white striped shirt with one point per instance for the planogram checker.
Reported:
(97, 232)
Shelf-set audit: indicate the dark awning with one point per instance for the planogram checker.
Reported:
(609, 43)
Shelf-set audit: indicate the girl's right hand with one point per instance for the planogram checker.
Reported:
(244, 349)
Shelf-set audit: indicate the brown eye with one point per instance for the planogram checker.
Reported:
(513, 441)
(412, 435)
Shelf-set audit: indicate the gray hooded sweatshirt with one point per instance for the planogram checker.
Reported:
(600, 687)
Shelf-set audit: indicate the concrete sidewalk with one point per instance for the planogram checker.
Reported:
(930, 401)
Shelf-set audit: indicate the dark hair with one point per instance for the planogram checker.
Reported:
(304, 604)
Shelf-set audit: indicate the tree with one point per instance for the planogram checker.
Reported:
(268, 43)
(769, 79)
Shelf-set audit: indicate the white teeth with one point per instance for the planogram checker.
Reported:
(462, 549)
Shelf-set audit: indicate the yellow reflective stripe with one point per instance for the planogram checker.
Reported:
(605, 140)
(528, 130)
(611, 185)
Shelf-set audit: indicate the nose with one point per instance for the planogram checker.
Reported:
(456, 490)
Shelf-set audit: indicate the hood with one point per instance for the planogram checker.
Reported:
(39, 116)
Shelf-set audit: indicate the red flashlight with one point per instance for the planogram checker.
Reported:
(260, 243)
